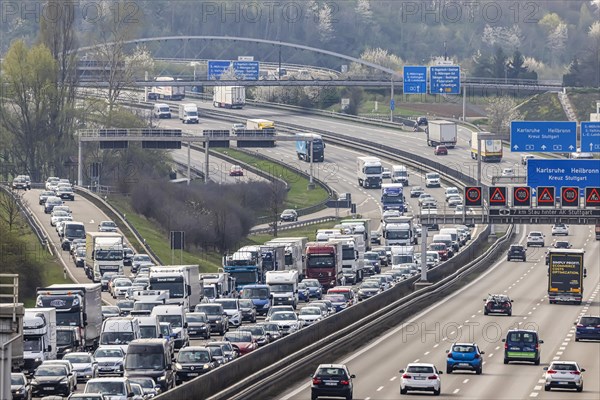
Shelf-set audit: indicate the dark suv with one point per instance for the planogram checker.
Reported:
(522, 345)
(498, 304)
(516, 252)
(331, 380)
(216, 316)
(588, 327)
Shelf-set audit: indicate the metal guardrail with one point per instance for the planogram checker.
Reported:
(123, 218)
(293, 225)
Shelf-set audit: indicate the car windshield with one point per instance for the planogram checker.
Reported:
(108, 353)
(229, 304)
(78, 358)
(141, 257)
(335, 298)
(310, 311)
(246, 303)
(106, 388)
(108, 225)
(332, 372)
(517, 248)
(17, 379)
(562, 245)
(238, 337)
(174, 320)
(535, 234)
(563, 367)
(255, 330)
(55, 370)
(146, 383)
(370, 285)
(283, 316)
(196, 317)
(463, 349)
(587, 321)
(209, 309)
(524, 337)
(216, 350)
(420, 369)
(270, 327)
(255, 293)
(311, 283)
(193, 356)
(110, 310)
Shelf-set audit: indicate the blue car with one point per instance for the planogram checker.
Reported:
(338, 300)
(464, 356)
(303, 292)
(588, 327)
(315, 289)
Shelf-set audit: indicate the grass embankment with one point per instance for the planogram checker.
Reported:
(584, 102)
(297, 197)
(543, 107)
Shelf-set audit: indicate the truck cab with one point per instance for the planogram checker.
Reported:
(39, 337)
(283, 286)
(260, 296)
(68, 340)
(369, 171)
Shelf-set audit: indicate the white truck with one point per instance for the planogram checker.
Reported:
(117, 332)
(175, 315)
(273, 257)
(442, 133)
(369, 171)
(400, 174)
(217, 285)
(77, 305)
(399, 231)
(294, 250)
(323, 235)
(352, 264)
(229, 96)
(103, 253)
(163, 90)
(258, 124)
(188, 113)
(39, 337)
(283, 286)
(361, 227)
(491, 150)
(182, 282)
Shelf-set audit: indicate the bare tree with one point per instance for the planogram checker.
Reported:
(501, 112)
(276, 197)
(9, 209)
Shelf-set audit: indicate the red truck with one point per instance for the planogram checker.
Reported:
(324, 262)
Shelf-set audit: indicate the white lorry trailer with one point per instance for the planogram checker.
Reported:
(369, 171)
(182, 282)
(491, 150)
(283, 286)
(39, 337)
(188, 113)
(217, 285)
(103, 253)
(442, 133)
(294, 250)
(229, 96)
(352, 263)
(163, 90)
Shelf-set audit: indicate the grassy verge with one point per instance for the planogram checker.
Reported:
(545, 107)
(298, 195)
(584, 102)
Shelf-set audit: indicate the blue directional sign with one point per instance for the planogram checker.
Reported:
(392, 104)
(244, 70)
(543, 136)
(563, 173)
(445, 79)
(590, 137)
(414, 80)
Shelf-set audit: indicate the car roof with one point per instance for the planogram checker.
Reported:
(332, 366)
(464, 344)
(420, 365)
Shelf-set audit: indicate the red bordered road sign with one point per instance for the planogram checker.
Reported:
(546, 196)
(592, 197)
(569, 196)
(521, 196)
(473, 196)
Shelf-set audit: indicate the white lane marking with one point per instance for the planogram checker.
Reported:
(497, 348)
(436, 345)
(479, 311)
(483, 363)
(426, 353)
(394, 332)
(534, 394)
(537, 388)
(569, 334)
(393, 378)
(555, 358)
(379, 388)
(453, 332)
(534, 308)
(565, 343)
(562, 348)
(456, 391)
(524, 317)
(541, 380)
(529, 313)
(466, 380)
(568, 339)
(473, 316)
(559, 353)
(491, 355)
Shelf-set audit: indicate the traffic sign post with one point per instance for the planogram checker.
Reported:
(522, 196)
(497, 196)
(392, 104)
(592, 197)
(444, 79)
(559, 173)
(245, 70)
(414, 80)
(546, 196)
(473, 196)
(570, 196)
(590, 137)
(543, 136)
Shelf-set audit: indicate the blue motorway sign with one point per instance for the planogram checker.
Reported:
(563, 173)
(543, 136)
(590, 137)
(244, 70)
(392, 104)
(414, 80)
(444, 79)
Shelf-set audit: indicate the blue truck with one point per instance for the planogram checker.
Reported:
(245, 266)
(303, 147)
(392, 197)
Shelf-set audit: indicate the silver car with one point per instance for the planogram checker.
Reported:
(110, 361)
(84, 364)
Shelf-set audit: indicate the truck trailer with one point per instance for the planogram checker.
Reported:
(229, 97)
(491, 150)
(441, 133)
(77, 305)
(565, 275)
(163, 90)
(39, 337)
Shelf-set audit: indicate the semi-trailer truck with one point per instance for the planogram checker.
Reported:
(259, 124)
(245, 266)
(163, 90)
(182, 282)
(77, 305)
(491, 150)
(229, 97)
(441, 133)
(324, 262)
(303, 149)
(565, 275)
(369, 171)
(103, 253)
(39, 337)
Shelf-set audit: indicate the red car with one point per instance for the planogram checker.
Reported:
(441, 151)
(441, 249)
(242, 340)
(236, 170)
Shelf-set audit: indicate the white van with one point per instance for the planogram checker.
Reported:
(453, 232)
(188, 113)
(149, 327)
(432, 179)
(161, 110)
(175, 315)
(119, 331)
(446, 239)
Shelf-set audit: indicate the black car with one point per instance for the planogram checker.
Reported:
(272, 330)
(368, 289)
(332, 380)
(248, 310)
(20, 387)
(193, 361)
(498, 304)
(51, 380)
(138, 260)
(588, 327)
(422, 121)
(44, 195)
(516, 252)
(258, 333)
(128, 256)
(216, 316)
(198, 324)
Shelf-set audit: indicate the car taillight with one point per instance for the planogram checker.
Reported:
(537, 346)
(580, 326)
(506, 304)
(432, 377)
(344, 382)
(449, 355)
(316, 381)
(505, 346)
(477, 356)
(575, 373)
(406, 376)
(551, 371)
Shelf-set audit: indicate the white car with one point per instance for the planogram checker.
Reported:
(420, 377)
(110, 360)
(310, 315)
(120, 287)
(84, 364)
(288, 321)
(58, 216)
(107, 226)
(454, 201)
(432, 179)
(386, 174)
(535, 238)
(452, 191)
(564, 375)
(232, 309)
(426, 197)
(459, 210)
(560, 229)
(508, 172)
